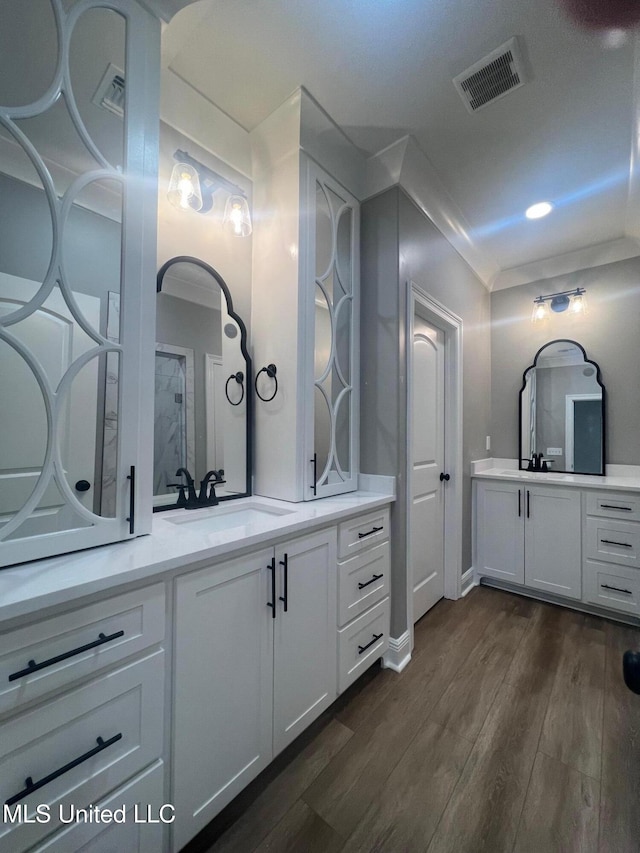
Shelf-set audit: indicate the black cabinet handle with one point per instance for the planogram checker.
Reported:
(82, 486)
(272, 603)
(370, 532)
(446, 477)
(131, 476)
(362, 649)
(616, 588)
(611, 542)
(620, 508)
(30, 786)
(32, 666)
(519, 503)
(373, 580)
(285, 598)
(314, 462)
(528, 502)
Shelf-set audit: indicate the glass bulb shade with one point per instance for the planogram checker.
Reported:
(184, 188)
(578, 304)
(540, 311)
(237, 218)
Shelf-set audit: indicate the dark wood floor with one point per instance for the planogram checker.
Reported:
(510, 730)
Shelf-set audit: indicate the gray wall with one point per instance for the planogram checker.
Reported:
(400, 244)
(609, 333)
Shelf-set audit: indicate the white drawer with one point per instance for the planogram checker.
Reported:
(613, 541)
(361, 643)
(618, 588)
(70, 646)
(362, 581)
(359, 533)
(613, 505)
(142, 797)
(57, 743)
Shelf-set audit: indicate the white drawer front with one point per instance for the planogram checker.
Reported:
(626, 507)
(143, 801)
(124, 708)
(128, 623)
(617, 588)
(613, 541)
(362, 642)
(362, 581)
(359, 533)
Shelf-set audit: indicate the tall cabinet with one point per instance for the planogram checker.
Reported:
(78, 152)
(305, 303)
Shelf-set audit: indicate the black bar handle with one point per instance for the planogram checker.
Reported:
(373, 580)
(131, 518)
(362, 649)
(272, 603)
(617, 588)
(528, 502)
(30, 786)
(314, 462)
(621, 508)
(285, 598)
(370, 532)
(519, 503)
(32, 666)
(611, 542)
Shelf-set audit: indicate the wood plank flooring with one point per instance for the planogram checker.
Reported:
(510, 730)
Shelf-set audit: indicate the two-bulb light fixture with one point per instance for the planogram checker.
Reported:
(192, 186)
(574, 301)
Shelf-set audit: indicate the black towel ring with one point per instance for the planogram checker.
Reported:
(239, 377)
(271, 371)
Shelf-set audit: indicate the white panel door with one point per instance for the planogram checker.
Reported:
(427, 459)
(305, 674)
(500, 509)
(553, 540)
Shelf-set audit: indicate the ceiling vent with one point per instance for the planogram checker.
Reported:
(110, 92)
(499, 72)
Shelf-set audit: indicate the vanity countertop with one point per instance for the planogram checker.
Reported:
(620, 478)
(30, 587)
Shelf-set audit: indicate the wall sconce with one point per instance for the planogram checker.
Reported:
(192, 186)
(573, 300)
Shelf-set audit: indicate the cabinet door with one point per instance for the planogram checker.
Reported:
(77, 230)
(553, 540)
(331, 359)
(222, 687)
(500, 530)
(305, 667)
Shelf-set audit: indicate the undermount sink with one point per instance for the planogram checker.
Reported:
(219, 518)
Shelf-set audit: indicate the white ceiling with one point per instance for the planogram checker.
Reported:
(385, 69)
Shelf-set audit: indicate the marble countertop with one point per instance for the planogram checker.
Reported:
(30, 587)
(622, 478)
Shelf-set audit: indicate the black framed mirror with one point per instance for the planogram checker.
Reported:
(203, 390)
(562, 410)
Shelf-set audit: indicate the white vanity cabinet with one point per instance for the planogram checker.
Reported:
(255, 663)
(530, 534)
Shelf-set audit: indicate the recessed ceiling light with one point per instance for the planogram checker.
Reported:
(537, 211)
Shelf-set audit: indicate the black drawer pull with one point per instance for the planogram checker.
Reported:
(34, 667)
(362, 649)
(617, 588)
(373, 580)
(30, 786)
(611, 542)
(272, 603)
(285, 582)
(620, 508)
(370, 532)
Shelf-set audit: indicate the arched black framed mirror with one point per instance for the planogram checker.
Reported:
(203, 390)
(562, 410)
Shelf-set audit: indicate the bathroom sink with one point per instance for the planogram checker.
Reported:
(528, 475)
(219, 518)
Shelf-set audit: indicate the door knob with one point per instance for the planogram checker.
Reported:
(83, 486)
(446, 477)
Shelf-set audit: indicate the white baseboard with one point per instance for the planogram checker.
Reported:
(468, 582)
(398, 654)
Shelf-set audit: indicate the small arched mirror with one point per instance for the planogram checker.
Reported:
(203, 401)
(562, 410)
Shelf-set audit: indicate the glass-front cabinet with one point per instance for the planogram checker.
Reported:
(331, 426)
(78, 84)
